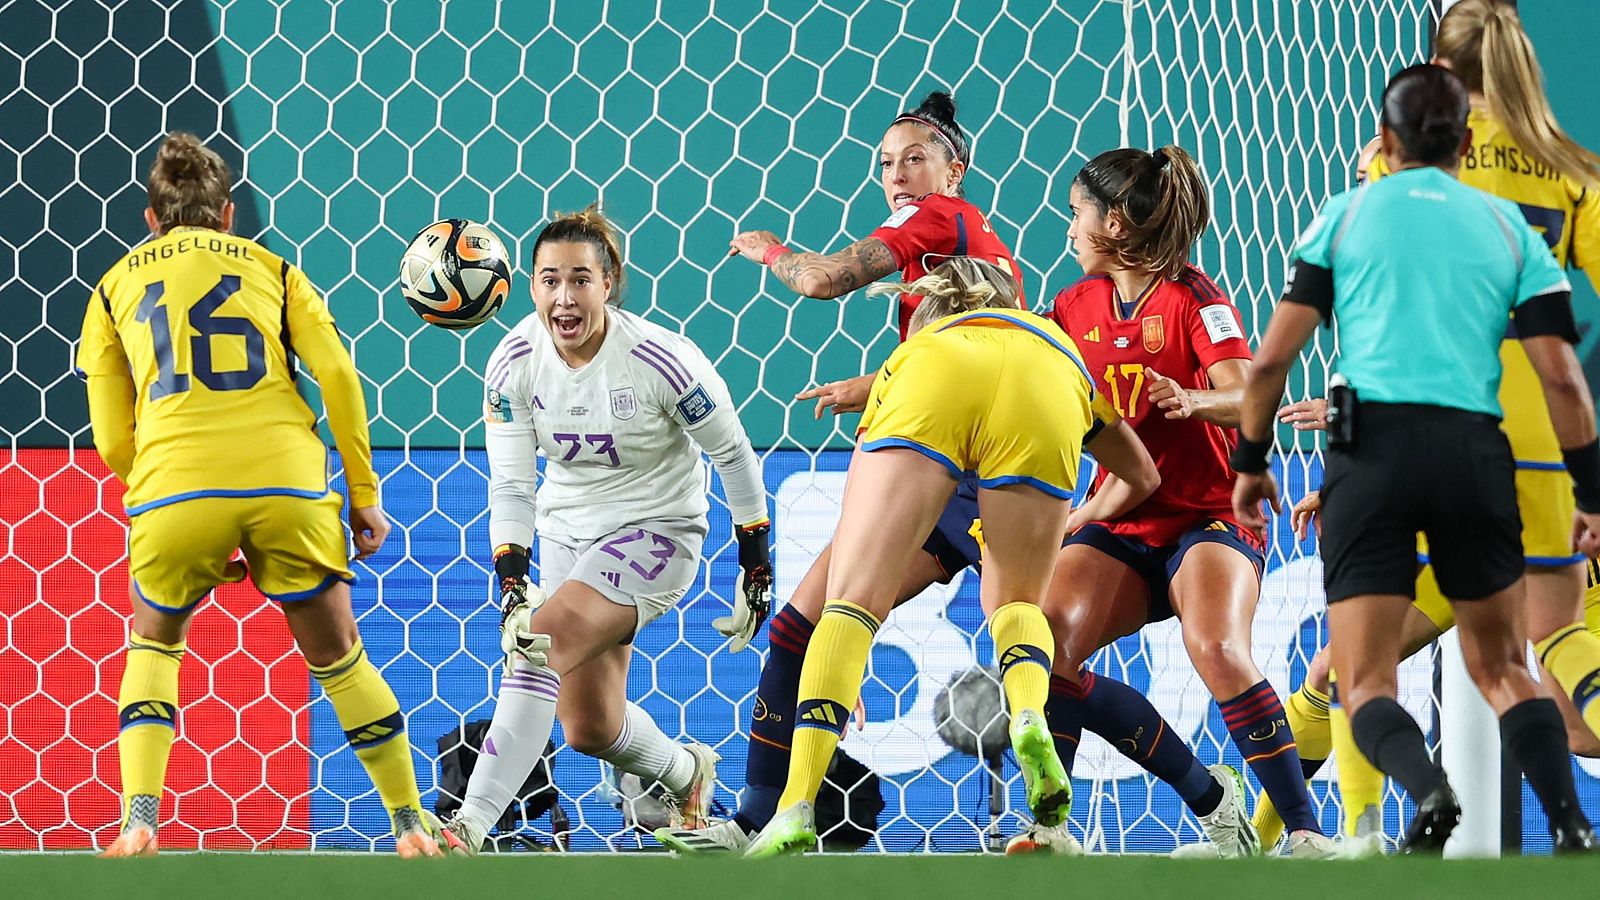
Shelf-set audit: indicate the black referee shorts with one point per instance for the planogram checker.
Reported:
(1447, 473)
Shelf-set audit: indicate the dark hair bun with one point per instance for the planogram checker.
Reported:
(940, 107)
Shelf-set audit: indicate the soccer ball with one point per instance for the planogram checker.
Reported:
(455, 274)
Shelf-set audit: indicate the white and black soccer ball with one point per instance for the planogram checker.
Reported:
(455, 274)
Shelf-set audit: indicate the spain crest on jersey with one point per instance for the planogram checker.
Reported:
(1155, 336)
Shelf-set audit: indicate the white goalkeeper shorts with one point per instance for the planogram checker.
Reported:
(649, 566)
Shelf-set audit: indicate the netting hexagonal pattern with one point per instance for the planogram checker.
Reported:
(352, 126)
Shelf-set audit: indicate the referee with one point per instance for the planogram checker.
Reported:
(1417, 274)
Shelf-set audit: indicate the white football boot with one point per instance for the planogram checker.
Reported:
(1229, 833)
(718, 837)
(691, 809)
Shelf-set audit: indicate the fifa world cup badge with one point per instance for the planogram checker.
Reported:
(1155, 336)
(494, 408)
(623, 406)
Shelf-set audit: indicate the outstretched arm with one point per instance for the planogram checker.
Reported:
(818, 275)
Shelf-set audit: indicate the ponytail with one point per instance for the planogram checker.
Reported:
(189, 183)
(1159, 198)
(1484, 43)
(959, 284)
(589, 226)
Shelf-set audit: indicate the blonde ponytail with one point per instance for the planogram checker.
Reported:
(1484, 43)
(958, 284)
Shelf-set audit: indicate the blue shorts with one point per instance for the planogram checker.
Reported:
(1158, 565)
(952, 542)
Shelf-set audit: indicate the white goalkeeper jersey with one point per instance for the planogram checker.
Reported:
(619, 435)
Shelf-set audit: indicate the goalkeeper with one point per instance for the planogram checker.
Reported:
(621, 409)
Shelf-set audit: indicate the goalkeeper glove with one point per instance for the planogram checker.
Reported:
(755, 580)
(519, 598)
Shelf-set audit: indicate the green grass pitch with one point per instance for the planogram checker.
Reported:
(226, 876)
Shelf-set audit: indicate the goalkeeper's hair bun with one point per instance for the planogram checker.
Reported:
(189, 183)
(588, 226)
(1160, 201)
(1427, 106)
(959, 284)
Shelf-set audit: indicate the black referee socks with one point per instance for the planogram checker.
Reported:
(1533, 734)
(1391, 740)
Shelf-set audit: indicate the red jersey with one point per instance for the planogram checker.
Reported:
(926, 232)
(1179, 328)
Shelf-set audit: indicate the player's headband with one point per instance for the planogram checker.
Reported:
(938, 132)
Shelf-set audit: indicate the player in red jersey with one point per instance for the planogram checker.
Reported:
(923, 159)
(1169, 349)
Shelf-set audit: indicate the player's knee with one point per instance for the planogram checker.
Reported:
(1495, 663)
(589, 735)
(1070, 623)
(1224, 664)
(327, 647)
(164, 626)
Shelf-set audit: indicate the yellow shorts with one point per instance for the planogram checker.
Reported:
(1003, 401)
(1591, 599)
(1544, 498)
(295, 547)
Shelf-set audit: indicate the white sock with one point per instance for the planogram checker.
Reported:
(524, 715)
(644, 750)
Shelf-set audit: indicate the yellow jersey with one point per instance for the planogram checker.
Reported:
(1568, 216)
(201, 329)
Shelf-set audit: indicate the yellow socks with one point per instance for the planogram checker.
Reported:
(147, 706)
(1572, 656)
(830, 682)
(370, 717)
(1360, 783)
(1022, 637)
(1307, 712)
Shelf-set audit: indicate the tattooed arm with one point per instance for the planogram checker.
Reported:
(819, 275)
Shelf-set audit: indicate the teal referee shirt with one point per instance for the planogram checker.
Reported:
(1419, 274)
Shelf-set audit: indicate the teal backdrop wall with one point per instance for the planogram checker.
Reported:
(356, 125)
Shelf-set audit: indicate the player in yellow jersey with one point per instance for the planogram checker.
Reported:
(189, 347)
(1519, 152)
(980, 385)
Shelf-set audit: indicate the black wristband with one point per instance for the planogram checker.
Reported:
(1583, 464)
(1250, 457)
(511, 561)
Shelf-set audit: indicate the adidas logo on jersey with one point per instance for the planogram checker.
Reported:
(1093, 335)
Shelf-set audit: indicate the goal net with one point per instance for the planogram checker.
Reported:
(353, 126)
